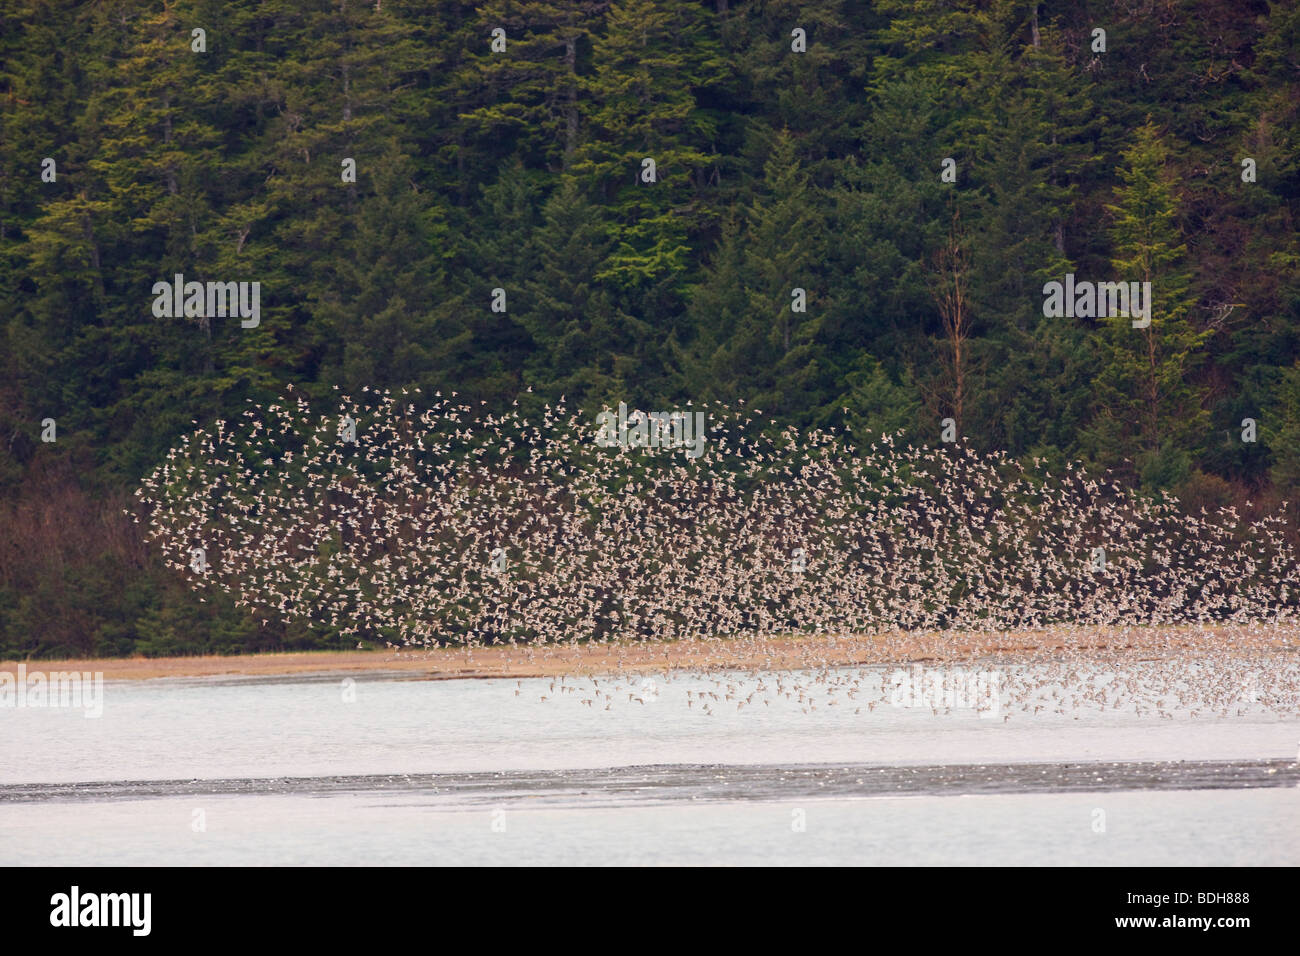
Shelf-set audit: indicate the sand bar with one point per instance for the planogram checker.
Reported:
(776, 652)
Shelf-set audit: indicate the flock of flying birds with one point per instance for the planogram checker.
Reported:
(1174, 685)
(448, 524)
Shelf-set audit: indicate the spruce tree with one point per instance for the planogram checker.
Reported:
(1149, 406)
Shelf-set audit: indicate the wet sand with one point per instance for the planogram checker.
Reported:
(620, 786)
(777, 652)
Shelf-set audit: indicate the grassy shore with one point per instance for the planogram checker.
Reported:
(775, 652)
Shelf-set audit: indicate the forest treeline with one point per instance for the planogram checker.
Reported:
(208, 138)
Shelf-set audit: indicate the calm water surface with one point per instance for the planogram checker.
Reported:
(384, 770)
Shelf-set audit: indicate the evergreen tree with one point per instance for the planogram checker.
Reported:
(1149, 409)
(531, 90)
(587, 351)
(641, 105)
(773, 355)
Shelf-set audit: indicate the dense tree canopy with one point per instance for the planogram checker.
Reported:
(648, 183)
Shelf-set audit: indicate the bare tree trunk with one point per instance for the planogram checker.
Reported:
(1153, 382)
(954, 310)
(173, 187)
(571, 111)
(88, 231)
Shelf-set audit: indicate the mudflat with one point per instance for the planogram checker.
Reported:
(770, 652)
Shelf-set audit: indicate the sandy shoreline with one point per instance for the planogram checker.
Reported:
(780, 652)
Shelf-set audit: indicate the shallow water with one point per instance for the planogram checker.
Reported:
(1202, 827)
(383, 770)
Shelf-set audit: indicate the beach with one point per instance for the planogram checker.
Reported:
(763, 653)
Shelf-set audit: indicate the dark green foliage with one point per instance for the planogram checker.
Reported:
(521, 170)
